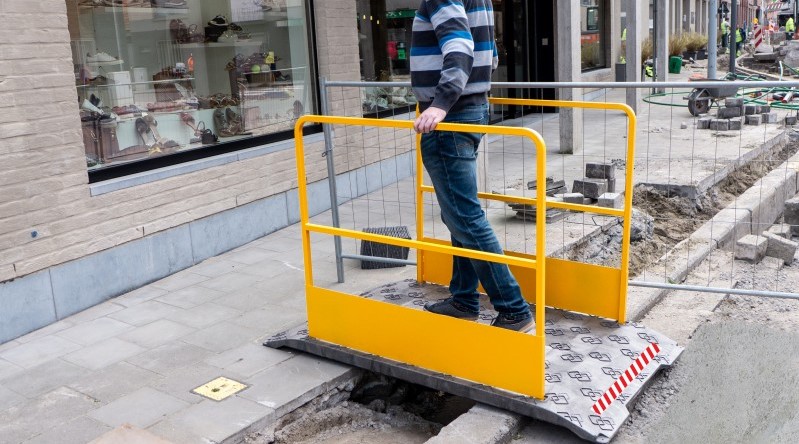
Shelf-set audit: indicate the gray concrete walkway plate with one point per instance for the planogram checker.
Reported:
(584, 356)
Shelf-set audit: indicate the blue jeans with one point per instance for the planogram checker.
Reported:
(451, 160)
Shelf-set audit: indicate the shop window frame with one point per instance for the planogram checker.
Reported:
(122, 170)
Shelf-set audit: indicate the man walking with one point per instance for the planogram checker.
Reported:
(453, 54)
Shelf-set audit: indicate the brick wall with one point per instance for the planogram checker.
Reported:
(43, 178)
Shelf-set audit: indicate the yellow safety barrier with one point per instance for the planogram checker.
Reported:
(574, 286)
(467, 350)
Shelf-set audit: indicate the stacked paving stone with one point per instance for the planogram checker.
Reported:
(598, 186)
(527, 212)
(776, 242)
(729, 117)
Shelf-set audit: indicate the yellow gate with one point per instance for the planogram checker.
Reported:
(448, 345)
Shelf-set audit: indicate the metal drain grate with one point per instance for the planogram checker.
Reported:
(377, 249)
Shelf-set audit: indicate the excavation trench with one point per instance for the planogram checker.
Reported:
(375, 409)
(662, 219)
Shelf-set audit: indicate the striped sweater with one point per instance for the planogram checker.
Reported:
(453, 53)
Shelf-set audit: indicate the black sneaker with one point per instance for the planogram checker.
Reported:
(219, 20)
(449, 307)
(523, 325)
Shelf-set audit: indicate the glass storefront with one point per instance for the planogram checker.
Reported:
(384, 35)
(157, 77)
(593, 34)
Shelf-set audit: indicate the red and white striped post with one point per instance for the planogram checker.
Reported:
(625, 379)
(757, 40)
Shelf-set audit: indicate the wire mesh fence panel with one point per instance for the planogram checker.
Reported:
(707, 188)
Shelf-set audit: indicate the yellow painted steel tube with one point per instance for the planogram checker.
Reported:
(410, 243)
(550, 204)
(632, 124)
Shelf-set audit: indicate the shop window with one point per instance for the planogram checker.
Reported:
(593, 34)
(384, 35)
(160, 78)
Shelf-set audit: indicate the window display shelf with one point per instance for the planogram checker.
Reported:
(111, 63)
(137, 12)
(236, 44)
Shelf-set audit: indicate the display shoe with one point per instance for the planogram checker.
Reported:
(146, 135)
(187, 119)
(219, 20)
(221, 124)
(168, 3)
(100, 57)
(153, 126)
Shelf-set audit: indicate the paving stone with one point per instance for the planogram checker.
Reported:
(294, 382)
(600, 170)
(215, 267)
(730, 102)
(703, 123)
(223, 336)
(113, 382)
(270, 319)
(729, 113)
(157, 333)
(10, 398)
(170, 357)
(751, 109)
(180, 280)
(91, 332)
(763, 109)
(176, 433)
(43, 378)
(611, 200)
(190, 297)
(790, 120)
(591, 188)
(770, 118)
(98, 311)
(145, 313)
(612, 185)
(51, 329)
(204, 315)
(684, 125)
(248, 359)
(78, 431)
(103, 354)
(141, 408)
(719, 124)
(751, 248)
(250, 255)
(7, 369)
(735, 124)
(780, 248)
(231, 282)
(573, 198)
(754, 120)
(140, 295)
(791, 215)
(781, 230)
(39, 351)
(32, 418)
(217, 421)
(129, 434)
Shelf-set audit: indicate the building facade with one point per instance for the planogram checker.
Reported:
(140, 137)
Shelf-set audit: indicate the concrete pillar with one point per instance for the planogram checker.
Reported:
(568, 62)
(662, 57)
(635, 35)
